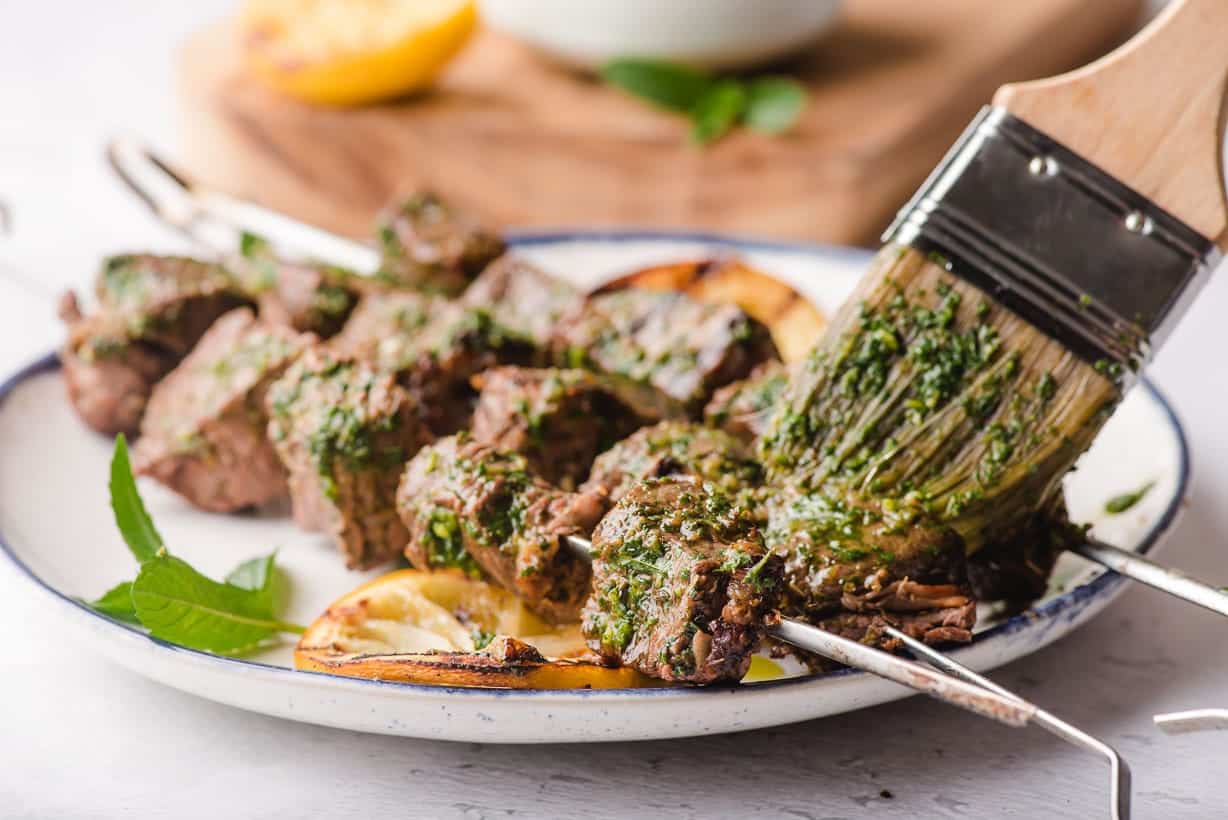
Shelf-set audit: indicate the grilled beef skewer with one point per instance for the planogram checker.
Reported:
(204, 432)
(561, 419)
(343, 430)
(674, 448)
(683, 586)
(151, 312)
(472, 507)
(683, 347)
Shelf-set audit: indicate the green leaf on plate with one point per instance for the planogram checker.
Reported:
(1120, 503)
(259, 575)
(178, 604)
(675, 87)
(774, 103)
(718, 111)
(134, 523)
(117, 603)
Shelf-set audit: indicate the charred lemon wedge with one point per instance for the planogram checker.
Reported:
(448, 629)
(796, 324)
(349, 52)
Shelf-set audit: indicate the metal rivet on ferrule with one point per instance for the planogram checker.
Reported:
(1043, 167)
(1139, 222)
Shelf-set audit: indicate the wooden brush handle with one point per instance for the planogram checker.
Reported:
(1149, 113)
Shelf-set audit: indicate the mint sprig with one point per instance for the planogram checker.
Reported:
(131, 517)
(116, 603)
(174, 601)
(715, 105)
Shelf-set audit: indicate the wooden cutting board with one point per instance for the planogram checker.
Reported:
(525, 142)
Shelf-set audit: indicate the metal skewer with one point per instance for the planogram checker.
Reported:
(1157, 576)
(1196, 720)
(1118, 768)
(215, 220)
(1004, 708)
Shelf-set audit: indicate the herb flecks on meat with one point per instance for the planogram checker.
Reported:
(478, 509)
(674, 448)
(312, 298)
(430, 246)
(561, 419)
(151, 311)
(744, 408)
(683, 347)
(682, 583)
(204, 431)
(522, 297)
(344, 430)
(855, 566)
(457, 344)
(384, 328)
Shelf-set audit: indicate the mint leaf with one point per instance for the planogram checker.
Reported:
(718, 111)
(254, 574)
(134, 523)
(174, 601)
(178, 604)
(774, 103)
(675, 87)
(117, 603)
(259, 575)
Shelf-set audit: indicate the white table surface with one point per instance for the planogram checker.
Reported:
(82, 738)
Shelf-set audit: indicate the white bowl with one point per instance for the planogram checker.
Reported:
(712, 34)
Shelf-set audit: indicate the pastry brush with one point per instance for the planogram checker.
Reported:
(1020, 291)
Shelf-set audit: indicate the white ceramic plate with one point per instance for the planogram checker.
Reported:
(57, 534)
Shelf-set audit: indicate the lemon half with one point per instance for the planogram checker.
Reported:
(349, 52)
(421, 627)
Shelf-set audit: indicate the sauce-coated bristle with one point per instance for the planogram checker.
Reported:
(926, 392)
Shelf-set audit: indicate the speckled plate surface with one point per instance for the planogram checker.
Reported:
(57, 535)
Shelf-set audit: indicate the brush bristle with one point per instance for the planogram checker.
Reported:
(927, 392)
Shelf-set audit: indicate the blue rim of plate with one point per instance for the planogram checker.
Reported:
(1070, 600)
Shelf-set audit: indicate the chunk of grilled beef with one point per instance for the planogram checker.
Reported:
(504, 318)
(478, 509)
(309, 298)
(561, 419)
(151, 311)
(522, 297)
(676, 448)
(204, 433)
(344, 430)
(686, 348)
(429, 245)
(742, 408)
(1015, 566)
(683, 586)
(385, 326)
(854, 566)
(458, 343)
(169, 301)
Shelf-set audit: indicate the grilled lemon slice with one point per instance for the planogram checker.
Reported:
(426, 627)
(348, 52)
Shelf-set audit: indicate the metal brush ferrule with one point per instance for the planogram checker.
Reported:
(1084, 258)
